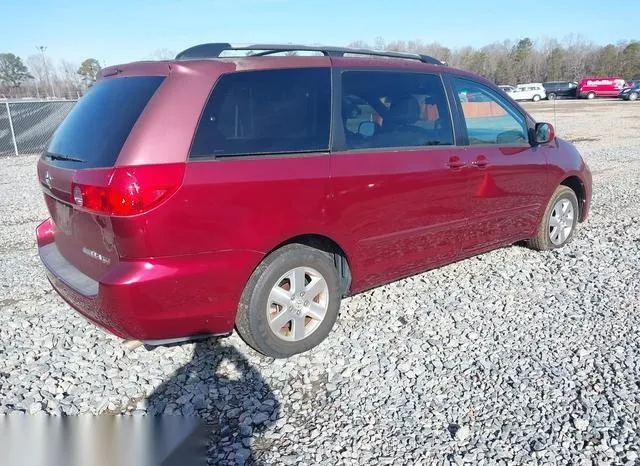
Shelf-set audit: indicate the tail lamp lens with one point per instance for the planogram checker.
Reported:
(125, 191)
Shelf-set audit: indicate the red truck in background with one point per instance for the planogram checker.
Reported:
(591, 88)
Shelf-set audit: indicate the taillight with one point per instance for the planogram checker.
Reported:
(125, 191)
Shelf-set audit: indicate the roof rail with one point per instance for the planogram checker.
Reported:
(213, 50)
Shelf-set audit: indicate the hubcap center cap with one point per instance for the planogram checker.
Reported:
(298, 304)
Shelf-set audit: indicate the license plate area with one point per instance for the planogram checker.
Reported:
(63, 218)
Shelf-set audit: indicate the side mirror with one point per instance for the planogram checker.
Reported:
(367, 129)
(544, 133)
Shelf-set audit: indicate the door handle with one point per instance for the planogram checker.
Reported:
(481, 162)
(455, 163)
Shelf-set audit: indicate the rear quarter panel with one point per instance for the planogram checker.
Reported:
(244, 203)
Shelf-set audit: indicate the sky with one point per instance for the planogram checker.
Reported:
(119, 31)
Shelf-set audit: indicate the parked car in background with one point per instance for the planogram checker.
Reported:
(630, 93)
(529, 91)
(560, 89)
(285, 184)
(590, 88)
(633, 83)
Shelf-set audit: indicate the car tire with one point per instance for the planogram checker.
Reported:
(559, 221)
(290, 303)
(551, 96)
(633, 96)
(591, 95)
(536, 98)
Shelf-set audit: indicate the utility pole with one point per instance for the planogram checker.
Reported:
(42, 49)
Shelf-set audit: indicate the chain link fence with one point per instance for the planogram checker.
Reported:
(27, 126)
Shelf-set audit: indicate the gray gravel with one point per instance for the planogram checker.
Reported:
(513, 357)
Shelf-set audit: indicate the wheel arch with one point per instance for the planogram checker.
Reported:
(330, 246)
(577, 186)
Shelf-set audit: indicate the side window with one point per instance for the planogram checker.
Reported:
(394, 109)
(488, 118)
(266, 112)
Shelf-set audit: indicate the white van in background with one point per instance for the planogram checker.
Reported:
(530, 91)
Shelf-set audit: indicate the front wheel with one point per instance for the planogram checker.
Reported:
(591, 95)
(559, 222)
(290, 303)
(633, 96)
(536, 98)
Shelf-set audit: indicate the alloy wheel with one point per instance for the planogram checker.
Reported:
(297, 304)
(561, 221)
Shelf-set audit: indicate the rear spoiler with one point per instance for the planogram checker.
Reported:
(139, 68)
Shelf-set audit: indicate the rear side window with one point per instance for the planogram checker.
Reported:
(394, 109)
(95, 130)
(266, 112)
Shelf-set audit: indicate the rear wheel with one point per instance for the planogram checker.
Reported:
(551, 96)
(559, 221)
(536, 98)
(633, 96)
(290, 303)
(591, 95)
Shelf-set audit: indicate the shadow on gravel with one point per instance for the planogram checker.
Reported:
(220, 386)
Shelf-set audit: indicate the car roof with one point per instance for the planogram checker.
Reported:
(211, 57)
(246, 63)
(216, 49)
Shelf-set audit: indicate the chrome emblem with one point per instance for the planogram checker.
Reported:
(97, 256)
(48, 179)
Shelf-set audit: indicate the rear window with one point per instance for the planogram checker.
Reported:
(266, 112)
(99, 124)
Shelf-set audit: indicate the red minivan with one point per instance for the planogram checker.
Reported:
(591, 88)
(194, 196)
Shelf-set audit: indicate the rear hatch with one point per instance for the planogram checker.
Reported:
(79, 164)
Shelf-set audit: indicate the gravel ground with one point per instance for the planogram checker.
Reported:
(513, 357)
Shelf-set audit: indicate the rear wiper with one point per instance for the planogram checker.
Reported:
(64, 157)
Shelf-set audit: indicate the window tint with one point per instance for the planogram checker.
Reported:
(266, 112)
(394, 109)
(488, 118)
(97, 127)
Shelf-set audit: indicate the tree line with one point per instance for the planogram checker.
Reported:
(40, 77)
(523, 61)
(507, 62)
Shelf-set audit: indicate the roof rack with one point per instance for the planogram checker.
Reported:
(213, 50)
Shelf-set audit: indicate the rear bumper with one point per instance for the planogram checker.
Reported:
(154, 299)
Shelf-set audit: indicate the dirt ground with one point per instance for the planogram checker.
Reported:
(594, 124)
